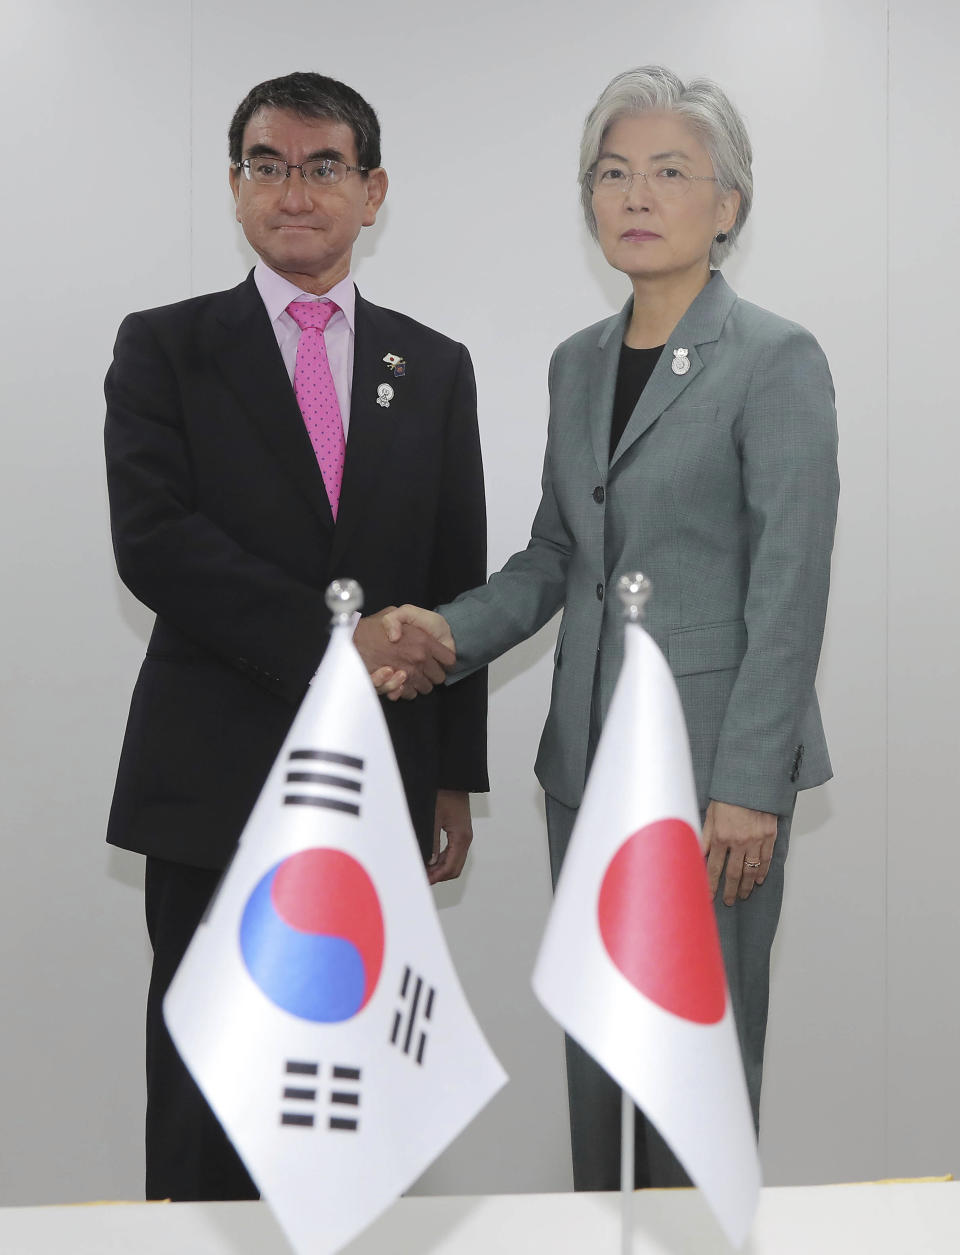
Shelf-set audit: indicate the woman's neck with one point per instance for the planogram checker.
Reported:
(658, 305)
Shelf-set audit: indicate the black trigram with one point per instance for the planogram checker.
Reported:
(411, 1020)
(300, 1089)
(308, 784)
(345, 1098)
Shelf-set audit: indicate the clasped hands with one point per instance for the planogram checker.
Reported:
(407, 650)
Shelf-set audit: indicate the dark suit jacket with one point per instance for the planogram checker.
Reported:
(221, 525)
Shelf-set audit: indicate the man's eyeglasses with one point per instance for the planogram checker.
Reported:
(320, 172)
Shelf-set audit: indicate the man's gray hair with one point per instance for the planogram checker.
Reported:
(653, 88)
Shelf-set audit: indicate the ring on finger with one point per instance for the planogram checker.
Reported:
(752, 866)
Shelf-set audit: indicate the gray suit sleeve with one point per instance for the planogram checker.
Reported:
(520, 598)
(788, 444)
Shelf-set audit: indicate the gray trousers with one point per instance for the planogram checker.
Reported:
(746, 935)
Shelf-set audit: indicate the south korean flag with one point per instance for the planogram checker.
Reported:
(317, 1007)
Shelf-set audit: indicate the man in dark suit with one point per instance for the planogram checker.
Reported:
(229, 522)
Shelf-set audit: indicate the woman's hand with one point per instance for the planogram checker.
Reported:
(429, 621)
(742, 838)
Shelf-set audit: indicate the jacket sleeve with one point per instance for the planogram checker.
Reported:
(788, 446)
(241, 607)
(520, 598)
(460, 562)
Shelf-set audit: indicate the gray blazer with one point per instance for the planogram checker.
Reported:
(723, 490)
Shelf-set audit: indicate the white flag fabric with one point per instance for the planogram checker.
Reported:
(630, 963)
(317, 1006)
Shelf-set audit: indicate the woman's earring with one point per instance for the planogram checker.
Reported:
(721, 237)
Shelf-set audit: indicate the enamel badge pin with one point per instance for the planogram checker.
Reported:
(681, 361)
(396, 364)
(384, 395)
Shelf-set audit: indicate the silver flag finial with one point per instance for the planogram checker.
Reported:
(633, 590)
(343, 598)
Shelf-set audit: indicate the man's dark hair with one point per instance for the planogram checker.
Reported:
(311, 96)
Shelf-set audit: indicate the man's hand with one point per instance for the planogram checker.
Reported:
(409, 662)
(743, 838)
(453, 818)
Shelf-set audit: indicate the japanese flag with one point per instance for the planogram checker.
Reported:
(317, 1006)
(630, 963)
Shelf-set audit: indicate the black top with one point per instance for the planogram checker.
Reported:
(636, 367)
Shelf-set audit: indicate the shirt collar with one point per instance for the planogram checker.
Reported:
(277, 293)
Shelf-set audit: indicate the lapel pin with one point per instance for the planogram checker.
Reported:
(384, 395)
(681, 361)
(396, 364)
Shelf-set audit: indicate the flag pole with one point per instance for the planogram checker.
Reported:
(633, 591)
(344, 598)
(627, 1117)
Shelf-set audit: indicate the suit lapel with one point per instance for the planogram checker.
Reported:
(373, 426)
(701, 324)
(602, 384)
(248, 356)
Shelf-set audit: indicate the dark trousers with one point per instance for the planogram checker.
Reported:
(746, 935)
(189, 1157)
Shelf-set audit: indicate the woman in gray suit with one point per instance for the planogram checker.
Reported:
(692, 436)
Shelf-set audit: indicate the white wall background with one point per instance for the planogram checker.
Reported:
(114, 197)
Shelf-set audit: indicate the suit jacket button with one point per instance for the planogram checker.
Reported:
(598, 494)
(797, 762)
(599, 592)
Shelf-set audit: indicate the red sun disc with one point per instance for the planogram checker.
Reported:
(656, 921)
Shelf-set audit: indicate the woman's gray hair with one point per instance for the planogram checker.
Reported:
(653, 88)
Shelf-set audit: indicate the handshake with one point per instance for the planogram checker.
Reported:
(406, 649)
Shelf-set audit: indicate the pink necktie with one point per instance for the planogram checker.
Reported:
(316, 395)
